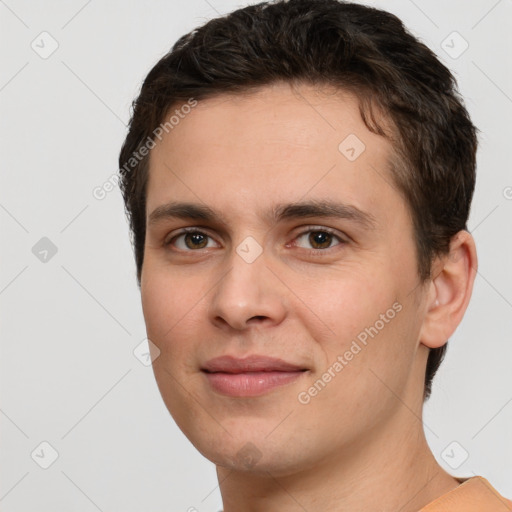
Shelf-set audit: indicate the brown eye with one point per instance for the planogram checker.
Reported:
(190, 241)
(319, 239)
(195, 240)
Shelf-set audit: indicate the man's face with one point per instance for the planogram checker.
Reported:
(334, 296)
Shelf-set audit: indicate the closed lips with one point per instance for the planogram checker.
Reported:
(249, 377)
(255, 363)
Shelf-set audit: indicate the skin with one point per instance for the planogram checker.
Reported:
(359, 444)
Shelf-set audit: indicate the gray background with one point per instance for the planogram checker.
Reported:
(70, 321)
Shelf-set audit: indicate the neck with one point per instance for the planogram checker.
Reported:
(389, 470)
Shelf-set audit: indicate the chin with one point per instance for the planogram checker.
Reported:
(257, 454)
(250, 459)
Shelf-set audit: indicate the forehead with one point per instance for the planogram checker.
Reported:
(279, 144)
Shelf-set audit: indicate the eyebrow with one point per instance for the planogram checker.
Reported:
(280, 212)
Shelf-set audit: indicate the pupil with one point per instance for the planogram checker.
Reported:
(320, 238)
(196, 238)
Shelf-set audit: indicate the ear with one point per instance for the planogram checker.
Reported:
(449, 290)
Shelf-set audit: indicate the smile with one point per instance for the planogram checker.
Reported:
(251, 376)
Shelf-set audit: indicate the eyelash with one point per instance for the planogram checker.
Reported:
(341, 240)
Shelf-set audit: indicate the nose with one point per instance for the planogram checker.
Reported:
(248, 294)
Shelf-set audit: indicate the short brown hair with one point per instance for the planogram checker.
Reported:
(356, 48)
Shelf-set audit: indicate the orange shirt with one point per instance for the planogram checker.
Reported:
(474, 494)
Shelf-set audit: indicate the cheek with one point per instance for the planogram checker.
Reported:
(167, 299)
(358, 383)
(158, 303)
(363, 319)
(169, 305)
(344, 304)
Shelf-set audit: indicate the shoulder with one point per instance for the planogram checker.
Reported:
(474, 494)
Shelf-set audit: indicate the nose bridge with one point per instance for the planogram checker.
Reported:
(248, 289)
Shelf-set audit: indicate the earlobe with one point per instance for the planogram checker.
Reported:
(450, 291)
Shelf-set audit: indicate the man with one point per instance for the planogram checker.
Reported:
(298, 177)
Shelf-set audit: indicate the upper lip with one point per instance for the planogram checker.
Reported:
(254, 363)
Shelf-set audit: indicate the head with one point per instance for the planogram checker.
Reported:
(256, 109)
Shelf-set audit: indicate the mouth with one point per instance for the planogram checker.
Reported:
(251, 376)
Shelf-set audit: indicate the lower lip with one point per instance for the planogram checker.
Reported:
(251, 383)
